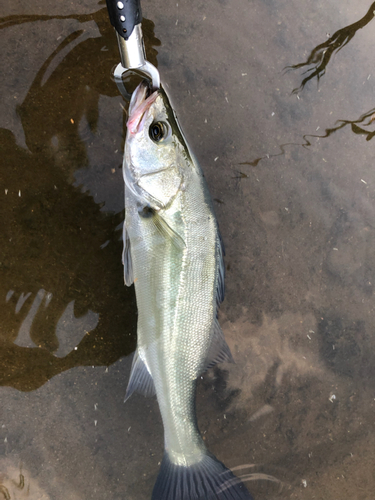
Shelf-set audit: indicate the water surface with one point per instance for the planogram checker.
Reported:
(277, 101)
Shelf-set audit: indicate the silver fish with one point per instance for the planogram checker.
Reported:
(174, 256)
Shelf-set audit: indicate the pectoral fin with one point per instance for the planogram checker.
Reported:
(167, 232)
(140, 379)
(127, 259)
(162, 226)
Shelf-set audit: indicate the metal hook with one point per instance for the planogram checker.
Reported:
(133, 58)
(148, 70)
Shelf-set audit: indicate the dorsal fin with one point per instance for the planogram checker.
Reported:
(220, 289)
(219, 350)
(126, 258)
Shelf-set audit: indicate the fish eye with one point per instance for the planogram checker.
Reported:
(158, 131)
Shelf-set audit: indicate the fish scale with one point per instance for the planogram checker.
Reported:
(173, 254)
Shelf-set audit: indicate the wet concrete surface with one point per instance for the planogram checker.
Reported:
(293, 181)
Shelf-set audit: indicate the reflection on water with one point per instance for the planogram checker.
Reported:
(52, 236)
(56, 237)
(321, 55)
(294, 415)
(319, 58)
(69, 83)
(365, 119)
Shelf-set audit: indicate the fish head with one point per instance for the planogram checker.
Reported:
(154, 141)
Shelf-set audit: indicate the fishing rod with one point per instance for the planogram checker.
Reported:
(126, 17)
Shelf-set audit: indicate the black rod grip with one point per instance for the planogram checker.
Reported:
(124, 15)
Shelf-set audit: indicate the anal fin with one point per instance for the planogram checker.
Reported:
(140, 379)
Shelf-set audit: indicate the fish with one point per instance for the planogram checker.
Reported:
(173, 253)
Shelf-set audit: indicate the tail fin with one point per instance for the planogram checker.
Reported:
(208, 479)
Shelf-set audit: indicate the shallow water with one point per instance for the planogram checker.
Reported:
(294, 187)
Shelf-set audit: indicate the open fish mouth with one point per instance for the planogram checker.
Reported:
(140, 103)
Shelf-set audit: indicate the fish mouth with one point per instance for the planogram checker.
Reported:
(140, 103)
